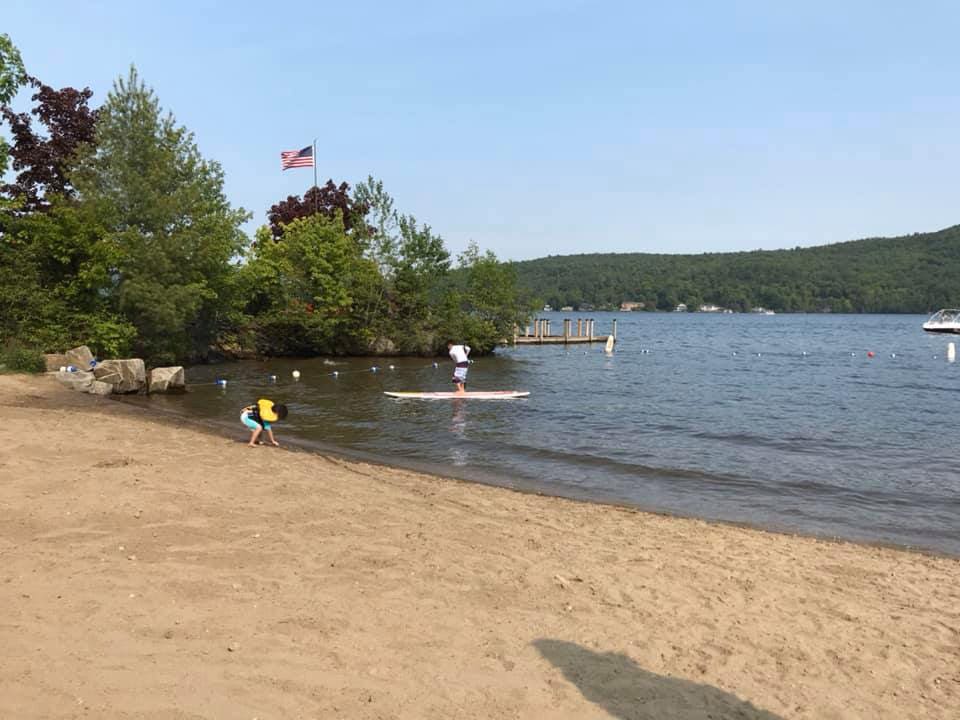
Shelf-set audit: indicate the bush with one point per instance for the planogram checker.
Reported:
(16, 358)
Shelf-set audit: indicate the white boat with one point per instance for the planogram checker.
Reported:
(944, 321)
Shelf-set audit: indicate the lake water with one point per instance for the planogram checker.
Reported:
(714, 416)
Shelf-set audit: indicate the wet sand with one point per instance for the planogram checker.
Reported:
(149, 570)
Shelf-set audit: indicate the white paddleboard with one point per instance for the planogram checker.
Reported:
(475, 395)
(609, 346)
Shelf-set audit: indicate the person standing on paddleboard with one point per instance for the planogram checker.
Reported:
(459, 354)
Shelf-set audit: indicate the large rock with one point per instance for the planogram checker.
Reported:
(167, 379)
(55, 361)
(132, 373)
(111, 378)
(79, 356)
(100, 388)
(79, 380)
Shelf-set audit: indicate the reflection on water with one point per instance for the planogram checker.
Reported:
(459, 454)
(782, 421)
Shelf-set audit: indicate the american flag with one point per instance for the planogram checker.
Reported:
(297, 158)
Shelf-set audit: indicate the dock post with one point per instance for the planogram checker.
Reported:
(590, 329)
(547, 332)
(579, 327)
(614, 333)
(566, 330)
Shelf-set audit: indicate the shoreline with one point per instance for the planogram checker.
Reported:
(151, 568)
(524, 486)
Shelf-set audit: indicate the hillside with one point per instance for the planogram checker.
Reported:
(911, 274)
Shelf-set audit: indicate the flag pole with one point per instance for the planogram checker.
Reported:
(316, 190)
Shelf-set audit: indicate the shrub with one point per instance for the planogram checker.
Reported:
(16, 358)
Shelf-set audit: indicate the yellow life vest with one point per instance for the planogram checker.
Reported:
(265, 408)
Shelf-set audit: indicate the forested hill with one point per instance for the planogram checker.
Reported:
(911, 274)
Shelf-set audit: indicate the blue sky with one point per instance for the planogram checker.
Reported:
(556, 127)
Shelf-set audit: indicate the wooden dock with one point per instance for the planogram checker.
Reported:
(539, 333)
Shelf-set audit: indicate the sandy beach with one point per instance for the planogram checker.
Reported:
(155, 571)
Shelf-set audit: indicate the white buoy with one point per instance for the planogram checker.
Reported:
(296, 374)
(893, 355)
(951, 352)
(804, 353)
(392, 367)
(336, 373)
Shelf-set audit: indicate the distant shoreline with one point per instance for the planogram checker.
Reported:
(907, 274)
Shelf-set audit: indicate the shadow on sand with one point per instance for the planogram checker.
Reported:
(625, 690)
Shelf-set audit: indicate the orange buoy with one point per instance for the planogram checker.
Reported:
(870, 353)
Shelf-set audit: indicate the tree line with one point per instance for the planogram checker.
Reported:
(909, 274)
(115, 232)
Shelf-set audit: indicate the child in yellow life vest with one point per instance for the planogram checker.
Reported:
(260, 417)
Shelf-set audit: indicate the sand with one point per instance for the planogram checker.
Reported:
(155, 571)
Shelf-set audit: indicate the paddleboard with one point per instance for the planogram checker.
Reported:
(475, 395)
(609, 346)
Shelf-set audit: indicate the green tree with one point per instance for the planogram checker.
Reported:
(385, 286)
(166, 229)
(485, 309)
(51, 273)
(382, 226)
(53, 282)
(413, 264)
(421, 265)
(305, 292)
(12, 76)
